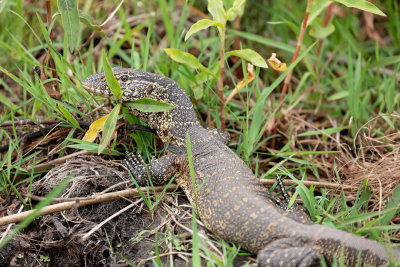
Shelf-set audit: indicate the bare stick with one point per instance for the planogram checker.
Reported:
(71, 204)
(133, 193)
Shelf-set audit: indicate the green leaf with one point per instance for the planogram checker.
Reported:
(197, 86)
(384, 62)
(264, 41)
(87, 20)
(187, 59)
(149, 105)
(324, 131)
(339, 95)
(70, 20)
(196, 259)
(317, 7)
(114, 85)
(168, 24)
(237, 9)
(249, 55)
(5, 101)
(319, 31)
(216, 8)
(201, 25)
(109, 127)
(363, 5)
(392, 206)
(91, 147)
(68, 116)
(195, 188)
(2, 5)
(390, 94)
(146, 48)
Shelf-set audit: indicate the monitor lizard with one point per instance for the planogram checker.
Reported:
(230, 201)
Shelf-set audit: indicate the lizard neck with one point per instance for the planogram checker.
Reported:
(172, 125)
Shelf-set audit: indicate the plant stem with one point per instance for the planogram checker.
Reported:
(296, 53)
(221, 78)
(327, 17)
(236, 46)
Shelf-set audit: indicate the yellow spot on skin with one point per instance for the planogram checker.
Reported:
(245, 199)
(236, 207)
(253, 216)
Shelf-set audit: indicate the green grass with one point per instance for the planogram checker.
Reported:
(354, 88)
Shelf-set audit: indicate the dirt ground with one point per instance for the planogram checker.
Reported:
(131, 238)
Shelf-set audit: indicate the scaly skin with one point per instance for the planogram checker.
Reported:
(230, 200)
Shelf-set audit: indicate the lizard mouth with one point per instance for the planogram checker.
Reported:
(129, 95)
(97, 85)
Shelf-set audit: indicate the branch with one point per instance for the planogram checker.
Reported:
(75, 204)
(131, 193)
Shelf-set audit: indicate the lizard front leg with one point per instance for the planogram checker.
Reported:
(158, 170)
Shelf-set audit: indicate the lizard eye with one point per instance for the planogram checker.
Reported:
(124, 78)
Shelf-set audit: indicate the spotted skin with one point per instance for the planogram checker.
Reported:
(230, 200)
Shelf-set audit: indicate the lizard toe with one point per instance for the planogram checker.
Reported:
(136, 166)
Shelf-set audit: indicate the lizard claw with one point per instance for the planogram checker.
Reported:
(135, 164)
(296, 211)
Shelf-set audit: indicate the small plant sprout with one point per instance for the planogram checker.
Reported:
(220, 17)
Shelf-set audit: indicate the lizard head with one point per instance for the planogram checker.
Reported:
(137, 84)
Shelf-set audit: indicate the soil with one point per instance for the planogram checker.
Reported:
(134, 237)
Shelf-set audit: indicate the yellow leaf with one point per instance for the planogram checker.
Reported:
(94, 129)
(242, 83)
(276, 64)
